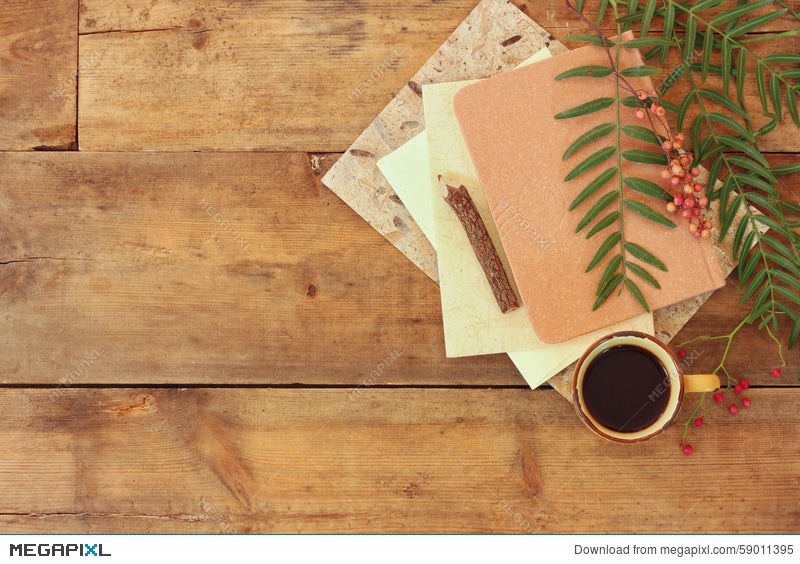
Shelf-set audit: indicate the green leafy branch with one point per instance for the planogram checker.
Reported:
(766, 243)
(621, 270)
(768, 268)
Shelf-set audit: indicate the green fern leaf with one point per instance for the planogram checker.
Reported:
(590, 162)
(591, 71)
(755, 23)
(741, 74)
(642, 156)
(604, 249)
(595, 185)
(645, 256)
(641, 133)
(586, 108)
(607, 221)
(601, 204)
(775, 95)
(643, 274)
(646, 187)
(637, 293)
(736, 13)
(606, 291)
(647, 212)
(593, 134)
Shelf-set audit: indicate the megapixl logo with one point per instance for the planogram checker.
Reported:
(83, 549)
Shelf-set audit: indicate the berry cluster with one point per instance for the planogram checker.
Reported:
(740, 387)
(719, 397)
(681, 175)
(691, 199)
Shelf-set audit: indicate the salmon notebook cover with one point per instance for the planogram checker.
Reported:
(516, 145)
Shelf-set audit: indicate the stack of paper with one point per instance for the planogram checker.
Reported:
(473, 323)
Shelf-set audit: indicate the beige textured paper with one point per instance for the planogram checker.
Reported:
(495, 36)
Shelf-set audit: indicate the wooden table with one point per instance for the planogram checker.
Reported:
(199, 337)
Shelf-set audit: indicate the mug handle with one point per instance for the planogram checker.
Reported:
(699, 383)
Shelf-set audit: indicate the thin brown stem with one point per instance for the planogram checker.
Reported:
(622, 80)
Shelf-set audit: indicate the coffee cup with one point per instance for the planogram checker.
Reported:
(628, 387)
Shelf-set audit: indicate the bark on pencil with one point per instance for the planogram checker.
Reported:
(461, 203)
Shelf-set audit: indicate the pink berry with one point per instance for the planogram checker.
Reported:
(678, 200)
(698, 422)
(719, 397)
(688, 450)
(776, 373)
(692, 228)
(666, 174)
(744, 384)
(737, 389)
(681, 352)
(695, 171)
(689, 202)
(733, 409)
(674, 181)
(687, 189)
(697, 187)
(746, 402)
(639, 114)
(671, 207)
(696, 212)
(676, 169)
(705, 233)
(687, 214)
(702, 201)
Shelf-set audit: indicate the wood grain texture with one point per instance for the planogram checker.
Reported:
(38, 74)
(240, 271)
(223, 268)
(405, 461)
(304, 75)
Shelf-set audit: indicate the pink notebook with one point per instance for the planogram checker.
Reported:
(517, 145)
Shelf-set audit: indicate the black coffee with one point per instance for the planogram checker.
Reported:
(626, 388)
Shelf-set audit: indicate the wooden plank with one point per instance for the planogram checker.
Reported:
(207, 268)
(38, 74)
(392, 461)
(261, 65)
(122, 257)
(263, 75)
